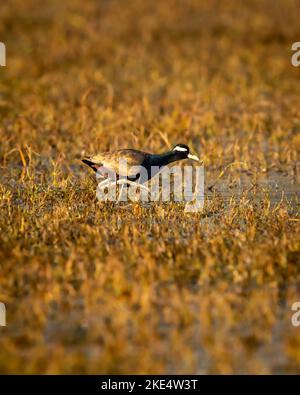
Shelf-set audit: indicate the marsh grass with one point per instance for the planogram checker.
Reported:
(92, 288)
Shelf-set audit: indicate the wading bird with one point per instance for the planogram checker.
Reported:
(125, 166)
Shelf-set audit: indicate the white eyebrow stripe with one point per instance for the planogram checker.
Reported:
(180, 149)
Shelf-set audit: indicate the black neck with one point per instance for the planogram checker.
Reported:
(166, 158)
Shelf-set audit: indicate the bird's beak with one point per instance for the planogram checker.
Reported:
(193, 157)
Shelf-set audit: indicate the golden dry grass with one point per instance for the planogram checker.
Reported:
(90, 288)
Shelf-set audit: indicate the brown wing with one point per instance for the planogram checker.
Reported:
(125, 162)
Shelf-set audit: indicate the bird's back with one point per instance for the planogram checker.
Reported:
(123, 162)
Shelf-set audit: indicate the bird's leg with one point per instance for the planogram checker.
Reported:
(126, 181)
(120, 193)
(146, 189)
(104, 183)
(119, 181)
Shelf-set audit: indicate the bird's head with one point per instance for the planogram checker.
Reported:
(183, 151)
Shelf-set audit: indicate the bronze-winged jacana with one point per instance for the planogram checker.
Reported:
(126, 163)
